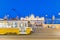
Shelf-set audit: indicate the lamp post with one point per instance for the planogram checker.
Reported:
(46, 19)
(58, 13)
(59, 19)
(53, 18)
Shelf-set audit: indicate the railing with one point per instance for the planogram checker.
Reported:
(52, 21)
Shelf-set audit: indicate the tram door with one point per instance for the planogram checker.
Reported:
(23, 26)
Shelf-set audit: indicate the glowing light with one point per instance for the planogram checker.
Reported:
(58, 13)
(46, 15)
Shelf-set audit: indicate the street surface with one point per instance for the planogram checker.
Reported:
(38, 34)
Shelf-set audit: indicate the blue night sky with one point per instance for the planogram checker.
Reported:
(24, 8)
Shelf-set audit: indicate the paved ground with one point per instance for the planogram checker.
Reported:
(38, 34)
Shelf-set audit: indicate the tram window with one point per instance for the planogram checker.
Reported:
(12, 25)
(16, 24)
(21, 24)
(0, 24)
(25, 24)
(9, 24)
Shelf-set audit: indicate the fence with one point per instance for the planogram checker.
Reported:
(52, 21)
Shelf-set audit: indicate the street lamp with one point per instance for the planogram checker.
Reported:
(53, 18)
(46, 19)
(46, 15)
(58, 13)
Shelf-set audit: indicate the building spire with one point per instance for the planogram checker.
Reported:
(5, 17)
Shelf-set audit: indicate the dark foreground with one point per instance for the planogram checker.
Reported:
(38, 34)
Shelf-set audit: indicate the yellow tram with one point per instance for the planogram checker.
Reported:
(14, 27)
